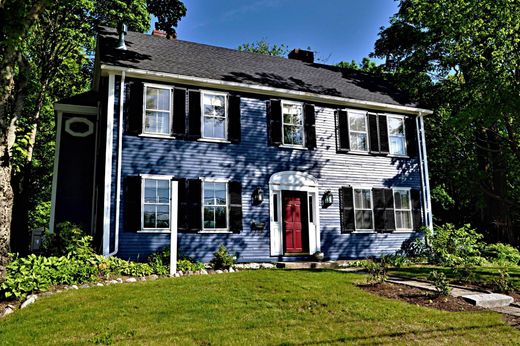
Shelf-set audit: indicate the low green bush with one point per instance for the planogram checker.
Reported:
(186, 265)
(501, 254)
(441, 283)
(159, 261)
(465, 274)
(377, 271)
(503, 283)
(222, 259)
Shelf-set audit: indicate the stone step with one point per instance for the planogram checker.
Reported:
(306, 265)
(489, 300)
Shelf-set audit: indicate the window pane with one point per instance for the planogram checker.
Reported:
(150, 122)
(405, 199)
(358, 199)
(220, 111)
(150, 195)
(357, 122)
(163, 191)
(209, 194)
(208, 126)
(163, 122)
(149, 216)
(407, 220)
(395, 126)
(220, 217)
(151, 98)
(209, 217)
(397, 200)
(164, 99)
(220, 193)
(358, 141)
(219, 129)
(397, 145)
(163, 216)
(398, 220)
(363, 219)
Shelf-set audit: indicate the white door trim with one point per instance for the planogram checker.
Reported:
(292, 181)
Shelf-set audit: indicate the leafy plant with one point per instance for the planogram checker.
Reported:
(464, 273)
(222, 259)
(377, 271)
(441, 283)
(501, 253)
(503, 282)
(186, 265)
(159, 261)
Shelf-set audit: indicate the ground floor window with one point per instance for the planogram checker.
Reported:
(403, 209)
(363, 214)
(215, 205)
(156, 204)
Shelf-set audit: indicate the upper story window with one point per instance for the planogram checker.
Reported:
(158, 110)
(403, 209)
(363, 213)
(214, 115)
(358, 130)
(215, 206)
(396, 135)
(156, 204)
(292, 123)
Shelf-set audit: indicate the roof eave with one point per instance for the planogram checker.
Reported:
(252, 88)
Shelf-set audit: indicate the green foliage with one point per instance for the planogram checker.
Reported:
(441, 283)
(396, 260)
(168, 13)
(377, 271)
(503, 282)
(222, 259)
(159, 261)
(415, 249)
(186, 265)
(68, 239)
(501, 253)
(263, 47)
(465, 274)
(366, 65)
(453, 246)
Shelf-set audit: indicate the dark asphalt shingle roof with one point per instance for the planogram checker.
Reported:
(88, 98)
(199, 60)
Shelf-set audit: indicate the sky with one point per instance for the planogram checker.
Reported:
(338, 30)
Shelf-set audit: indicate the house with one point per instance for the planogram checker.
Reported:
(276, 158)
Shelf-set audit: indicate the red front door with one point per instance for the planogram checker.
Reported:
(293, 224)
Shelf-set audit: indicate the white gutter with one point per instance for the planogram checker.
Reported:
(118, 163)
(278, 92)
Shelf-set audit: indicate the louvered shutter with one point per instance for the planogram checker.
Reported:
(132, 199)
(384, 210)
(183, 206)
(194, 114)
(274, 118)
(309, 117)
(346, 208)
(373, 132)
(179, 112)
(389, 211)
(415, 196)
(384, 146)
(342, 131)
(411, 136)
(194, 213)
(135, 109)
(235, 206)
(234, 118)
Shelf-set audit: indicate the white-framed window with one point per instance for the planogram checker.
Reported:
(215, 205)
(358, 131)
(214, 115)
(155, 203)
(157, 109)
(396, 135)
(402, 209)
(292, 124)
(363, 213)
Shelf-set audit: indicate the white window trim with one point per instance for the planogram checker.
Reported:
(156, 134)
(402, 118)
(215, 230)
(363, 230)
(155, 177)
(226, 119)
(357, 112)
(293, 146)
(408, 190)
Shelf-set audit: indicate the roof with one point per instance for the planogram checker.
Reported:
(88, 98)
(146, 52)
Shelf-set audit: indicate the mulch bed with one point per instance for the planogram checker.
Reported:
(429, 299)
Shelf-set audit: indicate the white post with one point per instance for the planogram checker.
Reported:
(173, 228)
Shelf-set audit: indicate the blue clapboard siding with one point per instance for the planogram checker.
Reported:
(253, 162)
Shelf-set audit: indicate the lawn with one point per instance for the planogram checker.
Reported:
(266, 307)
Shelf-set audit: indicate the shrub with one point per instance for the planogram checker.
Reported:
(503, 282)
(377, 271)
(68, 239)
(440, 281)
(414, 248)
(396, 260)
(501, 253)
(222, 259)
(186, 265)
(464, 273)
(159, 261)
(453, 246)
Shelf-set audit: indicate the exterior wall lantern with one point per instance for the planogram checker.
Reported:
(258, 196)
(327, 199)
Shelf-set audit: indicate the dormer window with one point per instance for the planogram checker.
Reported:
(214, 115)
(157, 110)
(292, 118)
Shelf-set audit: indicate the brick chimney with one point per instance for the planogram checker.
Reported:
(302, 55)
(160, 33)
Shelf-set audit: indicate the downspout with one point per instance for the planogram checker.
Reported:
(118, 163)
(426, 176)
(423, 163)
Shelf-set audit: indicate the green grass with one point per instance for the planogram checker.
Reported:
(483, 274)
(247, 308)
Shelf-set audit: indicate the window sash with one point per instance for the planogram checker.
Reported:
(151, 210)
(210, 118)
(215, 207)
(403, 215)
(396, 140)
(355, 135)
(364, 211)
(293, 123)
(153, 123)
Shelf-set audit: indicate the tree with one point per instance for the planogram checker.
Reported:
(462, 58)
(366, 65)
(263, 47)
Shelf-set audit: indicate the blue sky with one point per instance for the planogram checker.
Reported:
(337, 29)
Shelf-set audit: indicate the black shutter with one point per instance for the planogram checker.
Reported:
(234, 118)
(134, 120)
(384, 210)
(274, 118)
(342, 133)
(373, 133)
(235, 206)
(309, 117)
(194, 213)
(384, 146)
(346, 208)
(194, 114)
(179, 112)
(415, 196)
(183, 206)
(411, 136)
(132, 198)
(389, 211)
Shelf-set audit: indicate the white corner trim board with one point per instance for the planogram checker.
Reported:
(55, 172)
(278, 92)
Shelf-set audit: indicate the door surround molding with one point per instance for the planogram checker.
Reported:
(292, 181)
